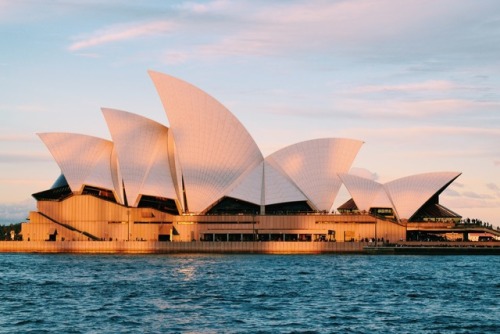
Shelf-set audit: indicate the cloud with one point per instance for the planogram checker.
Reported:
(175, 57)
(423, 132)
(14, 158)
(13, 213)
(472, 194)
(22, 182)
(363, 172)
(25, 108)
(492, 186)
(472, 203)
(391, 108)
(431, 85)
(8, 7)
(219, 29)
(203, 8)
(88, 55)
(121, 33)
(18, 138)
(306, 25)
(343, 27)
(470, 199)
(450, 192)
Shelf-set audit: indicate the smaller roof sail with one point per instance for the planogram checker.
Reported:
(142, 150)
(83, 159)
(365, 193)
(249, 187)
(279, 188)
(314, 166)
(410, 193)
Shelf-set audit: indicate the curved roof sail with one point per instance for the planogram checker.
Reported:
(409, 193)
(279, 188)
(207, 155)
(314, 166)
(366, 193)
(249, 188)
(83, 159)
(213, 147)
(142, 150)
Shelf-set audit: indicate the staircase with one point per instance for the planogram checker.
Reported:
(69, 227)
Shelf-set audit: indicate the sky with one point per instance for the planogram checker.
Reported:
(417, 80)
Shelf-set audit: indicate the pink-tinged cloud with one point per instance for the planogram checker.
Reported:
(89, 55)
(451, 193)
(431, 85)
(23, 182)
(412, 108)
(474, 203)
(472, 194)
(122, 33)
(203, 8)
(281, 27)
(175, 57)
(423, 131)
(364, 173)
(344, 106)
(15, 158)
(18, 138)
(492, 186)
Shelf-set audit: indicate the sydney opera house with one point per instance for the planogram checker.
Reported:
(203, 178)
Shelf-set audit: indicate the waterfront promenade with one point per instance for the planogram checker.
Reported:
(270, 247)
(273, 247)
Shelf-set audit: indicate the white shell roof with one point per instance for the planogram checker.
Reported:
(382, 200)
(142, 149)
(83, 159)
(314, 166)
(209, 151)
(409, 193)
(365, 193)
(213, 147)
(117, 177)
(278, 187)
(249, 188)
(101, 175)
(175, 170)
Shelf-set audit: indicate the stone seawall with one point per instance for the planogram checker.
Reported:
(143, 247)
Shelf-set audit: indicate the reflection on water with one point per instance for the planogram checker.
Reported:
(249, 293)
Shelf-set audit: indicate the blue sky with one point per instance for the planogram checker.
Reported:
(417, 81)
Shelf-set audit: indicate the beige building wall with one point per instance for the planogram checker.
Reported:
(110, 221)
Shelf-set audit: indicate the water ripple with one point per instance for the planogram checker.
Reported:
(248, 294)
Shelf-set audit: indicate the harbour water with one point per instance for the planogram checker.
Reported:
(82, 293)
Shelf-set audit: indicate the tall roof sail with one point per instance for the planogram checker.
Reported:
(213, 147)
